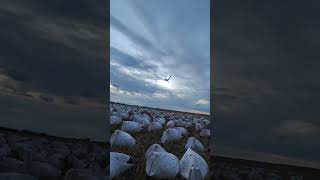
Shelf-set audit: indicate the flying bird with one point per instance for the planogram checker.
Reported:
(165, 78)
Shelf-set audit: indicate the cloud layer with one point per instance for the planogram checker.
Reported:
(266, 82)
(52, 63)
(149, 41)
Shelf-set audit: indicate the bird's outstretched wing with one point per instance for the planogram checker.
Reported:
(170, 77)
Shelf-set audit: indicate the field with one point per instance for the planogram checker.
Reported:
(231, 168)
(57, 155)
(144, 139)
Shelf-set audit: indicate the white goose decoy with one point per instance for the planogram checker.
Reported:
(195, 174)
(181, 123)
(199, 127)
(8, 164)
(147, 116)
(94, 166)
(119, 163)
(16, 176)
(192, 159)
(189, 124)
(73, 161)
(144, 120)
(124, 115)
(154, 126)
(3, 140)
(170, 135)
(162, 120)
(121, 138)
(206, 122)
(170, 124)
(162, 165)
(39, 169)
(4, 150)
(182, 130)
(114, 120)
(205, 133)
(131, 126)
(194, 144)
(57, 160)
(154, 148)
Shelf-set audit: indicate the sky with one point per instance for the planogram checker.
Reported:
(153, 39)
(266, 86)
(53, 66)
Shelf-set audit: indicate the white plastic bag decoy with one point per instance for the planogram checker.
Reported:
(119, 163)
(170, 124)
(192, 161)
(121, 138)
(171, 135)
(162, 165)
(194, 144)
(154, 148)
(115, 120)
(183, 131)
(131, 126)
(205, 133)
(154, 126)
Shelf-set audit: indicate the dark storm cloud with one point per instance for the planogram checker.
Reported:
(53, 66)
(266, 75)
(56, 46)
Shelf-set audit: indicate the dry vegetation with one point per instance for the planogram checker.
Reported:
(144, 140)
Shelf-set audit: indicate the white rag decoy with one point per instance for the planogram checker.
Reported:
(192, 159)
(141, 120)
(170, 135)
(199, 127)
(154, 126)
(189, 124)
(39, 169)
(114, 120)
(162, 121)
(205, 133)
(57, 160)
(124, 115)
(206, 122)
(181, 123)
(194, 144)
(154, 148)
(162, 165)
(147, 117)
(119, 163)
(195, 174)
(16, 176)
(4, 150)
(8, 164)
(170, 124)
(121, 138)
(94, 167)
(182, 130)
(74, 162)
(131, 126)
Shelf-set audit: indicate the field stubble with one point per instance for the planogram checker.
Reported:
(144, 140)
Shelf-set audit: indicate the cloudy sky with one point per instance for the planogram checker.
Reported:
(267, 77)
(53, 66)
(153, 39)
